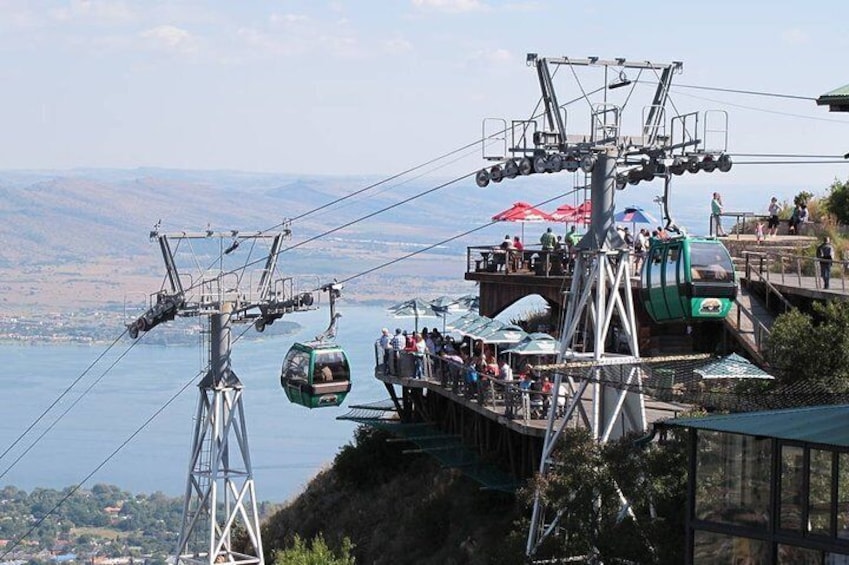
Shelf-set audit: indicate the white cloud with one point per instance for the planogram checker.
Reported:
(95, 11)
(794, 36)
(450, 6)
(492, 56)
(397, 45)
(170, 38)
(283, 19)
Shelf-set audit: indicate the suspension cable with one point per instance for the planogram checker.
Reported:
(71, 491)
(68, 409)
(61, 396)
(447, 240)
(14, 544)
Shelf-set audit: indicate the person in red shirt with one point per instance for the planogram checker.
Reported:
(516, 255)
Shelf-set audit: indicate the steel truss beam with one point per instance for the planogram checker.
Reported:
(220, 492)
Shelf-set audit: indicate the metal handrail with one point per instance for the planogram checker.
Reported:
(791, 266)
(761, 332)
(770, 288)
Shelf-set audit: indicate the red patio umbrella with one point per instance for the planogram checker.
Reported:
(571, 215)
(522, 212)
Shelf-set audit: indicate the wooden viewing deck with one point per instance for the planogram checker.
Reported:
(481, 416)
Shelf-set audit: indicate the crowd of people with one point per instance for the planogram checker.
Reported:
(469, 367)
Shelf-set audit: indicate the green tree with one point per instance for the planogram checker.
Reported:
(837, 201)
(802, 198)
(317, 553)
(586, 489)
(812, 349)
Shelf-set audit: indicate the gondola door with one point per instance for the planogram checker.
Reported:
(672, 286)
(652, 292)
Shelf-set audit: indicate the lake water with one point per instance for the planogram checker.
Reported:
(288, 443)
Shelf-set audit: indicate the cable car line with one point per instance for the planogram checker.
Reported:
(392, 206)
(756, 109)
(68, 409)
(353, 222)
(61, 396)
(424, 164)
(447, 240)
(789, 155)
(750, 92)
(15, 543)
(388, 179)
(823, 162)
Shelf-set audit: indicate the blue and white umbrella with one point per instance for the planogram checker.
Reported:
(634, 215)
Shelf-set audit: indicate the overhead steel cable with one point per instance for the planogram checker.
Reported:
(15, 543)
(426, 163)
(68, 409)
(764, 110)
(71, 491)
(447, 240)
(388, 179)
(788, 162)
(749, 92)
(61, 396)
(788, 155)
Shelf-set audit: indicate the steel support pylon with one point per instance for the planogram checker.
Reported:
(600, 294)
(220, 493)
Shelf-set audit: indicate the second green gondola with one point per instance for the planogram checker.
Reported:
(316, 375)
(688, 278)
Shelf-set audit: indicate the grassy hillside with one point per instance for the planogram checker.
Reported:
(400, 509)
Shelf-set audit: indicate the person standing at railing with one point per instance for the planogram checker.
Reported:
(715, 218)
(547, 240)
(825, 254)
(774, 209)
(385, 342)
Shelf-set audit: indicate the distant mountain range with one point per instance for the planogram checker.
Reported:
(79, 238)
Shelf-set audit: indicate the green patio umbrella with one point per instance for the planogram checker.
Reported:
(414, 308)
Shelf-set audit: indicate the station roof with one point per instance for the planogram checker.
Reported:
(837, 100)
(827, 425)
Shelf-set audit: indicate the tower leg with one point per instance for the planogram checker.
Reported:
(220, 494)
(600, 297)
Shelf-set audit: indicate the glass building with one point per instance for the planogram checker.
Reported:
(768, 487)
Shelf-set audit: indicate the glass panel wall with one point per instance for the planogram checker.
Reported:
(792, 555)
(819, 492)
(732, 478)
(792, 479)
(710, 548)
(843, 495)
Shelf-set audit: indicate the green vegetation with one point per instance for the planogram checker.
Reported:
(316, 553)
(379, 505)
(102, 521)
(653, 480)
(837, 201)
(812, 348)
(392, 507)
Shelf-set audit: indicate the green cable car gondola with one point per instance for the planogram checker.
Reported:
(688, 278)
(316, 375)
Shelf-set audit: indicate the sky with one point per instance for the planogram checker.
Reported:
(373, 87)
